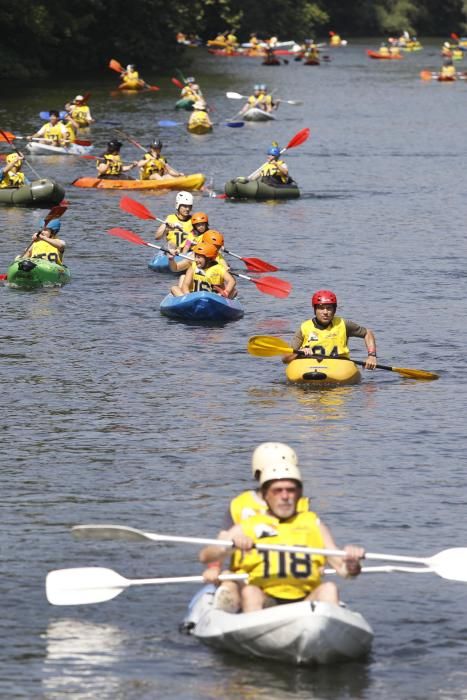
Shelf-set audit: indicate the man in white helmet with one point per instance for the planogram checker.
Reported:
(177, 227)
(280, 577)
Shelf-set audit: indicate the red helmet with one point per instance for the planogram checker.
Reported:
(324, 296)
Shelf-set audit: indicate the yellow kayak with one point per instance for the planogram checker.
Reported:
(322, 372)
(199, 128)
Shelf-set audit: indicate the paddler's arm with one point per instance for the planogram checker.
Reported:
(173, 173)
(349, 566)
(55, 242)
(160, 231)
(353, 330)
(296, 344)
(229, 284)
(188, 279)
(218, 554)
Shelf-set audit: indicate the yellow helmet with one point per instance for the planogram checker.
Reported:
(271, 454)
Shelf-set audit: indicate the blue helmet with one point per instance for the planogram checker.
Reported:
(274, 151)
(53, 225)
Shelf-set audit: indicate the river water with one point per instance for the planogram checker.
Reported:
(112, 413)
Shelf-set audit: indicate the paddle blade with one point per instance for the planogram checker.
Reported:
(258, 265)
(84, 585)
(450, 564)
(235, 125)
(168, 122)
(425, 74)
(177, 83)
(127, 235)
(267, 346)
(273, 286)
(115, 65)
(136, 208)
(3, 277)
(153, 88)
(83, 142)
(234, 96)
(6, 136)
(108, 532)
(299, 138)
(454, 36)
(415, 373)
(55, 213)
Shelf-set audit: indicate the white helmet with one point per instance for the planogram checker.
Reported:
(286, 470)
(78, 98)
(271, 453)
(184, 198)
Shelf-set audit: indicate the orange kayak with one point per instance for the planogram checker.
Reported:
(377, 54)
(187, 182)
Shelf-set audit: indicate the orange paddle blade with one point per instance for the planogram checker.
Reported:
(136, 208)
(6, 136)
(115, 65)
(425, 74)
(299, 138)
(177, 83)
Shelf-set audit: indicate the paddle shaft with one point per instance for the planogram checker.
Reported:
(131, 140)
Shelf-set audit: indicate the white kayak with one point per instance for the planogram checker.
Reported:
(303, 633)
(258, 115)
(36, 148)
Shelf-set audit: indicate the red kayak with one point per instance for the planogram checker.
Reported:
(377, 54)
(247, 54)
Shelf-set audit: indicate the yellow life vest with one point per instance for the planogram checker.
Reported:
(205, 280)
(188, 94)
(43, 249)
(335, 40)
(152, 165)
(448, 71)
(53, 133)
(114, 162)
(271, 170)
(12, 180)
(131, 77)
(70, 132)
(384, 51)
(198, 117)
(81, 114)
(326, 341)
(174, 236)
(250, 503)
(283, 575)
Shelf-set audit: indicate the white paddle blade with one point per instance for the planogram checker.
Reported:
(81, 586)
(450, 564)
(234, 96)
(108, 532)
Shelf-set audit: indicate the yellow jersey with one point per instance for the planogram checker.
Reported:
(331, 340)
(175, 237)
(152, 165)
(43, 249)
(114, 162)
(10, 179)
(205, 280)
(271, 170)
(249, 503)
(81, 114)
(283, 575)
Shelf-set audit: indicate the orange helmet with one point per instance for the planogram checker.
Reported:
(214, 237)
(206, 249)
(199, 217)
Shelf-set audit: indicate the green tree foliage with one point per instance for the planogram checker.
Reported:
(51, 37)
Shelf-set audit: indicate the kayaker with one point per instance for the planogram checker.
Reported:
(178, 227)
(448, 69)
(45, 243)
(200, 223)
(384, 49)
(205, 274)
(328, 334)
(53, 132)
(274, 169)
(212, 237)
(110, 164)
(282, 577)
(80, 112)
(334, 39)
(11, 175)
(199, 116)
(71, 127)
(130, 77)
(191, 90)
(154, 166)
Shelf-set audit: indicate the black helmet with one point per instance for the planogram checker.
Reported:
(114, 145)
(157, 143)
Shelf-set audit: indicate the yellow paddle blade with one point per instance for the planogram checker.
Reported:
(415, 373)
(268, 346)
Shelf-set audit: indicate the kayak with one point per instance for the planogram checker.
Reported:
(187, 182)
(199, 128)
(304, 633)
(320, 372)
(377, 54)
(260, 189)
(38, 193)
(311, 62)
(160, 263)
(201, 307)
(131, 85)
(43, 149)
(184, 103)
(254, 114)
(32, 273)
(250, 53)
(271, 62)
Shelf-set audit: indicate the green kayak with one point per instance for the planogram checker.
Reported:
(38, 193)
(185, 104)
(264, 188)
(32, 273)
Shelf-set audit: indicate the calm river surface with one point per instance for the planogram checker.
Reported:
(112, 413)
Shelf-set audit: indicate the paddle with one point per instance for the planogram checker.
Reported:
(55, 213)
(177, 83)
(297, 140)
(169, 123)
(267, 285)
(79, 142)
(130, 139)
(237, 96)
(95, 584)
(45, 116)
(269, 346)
(132, 206)
(118, 68)
(7, 138)
(450, 563)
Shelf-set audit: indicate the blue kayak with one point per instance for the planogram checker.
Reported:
(201, 307)
(160, 263)
(46, 115)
